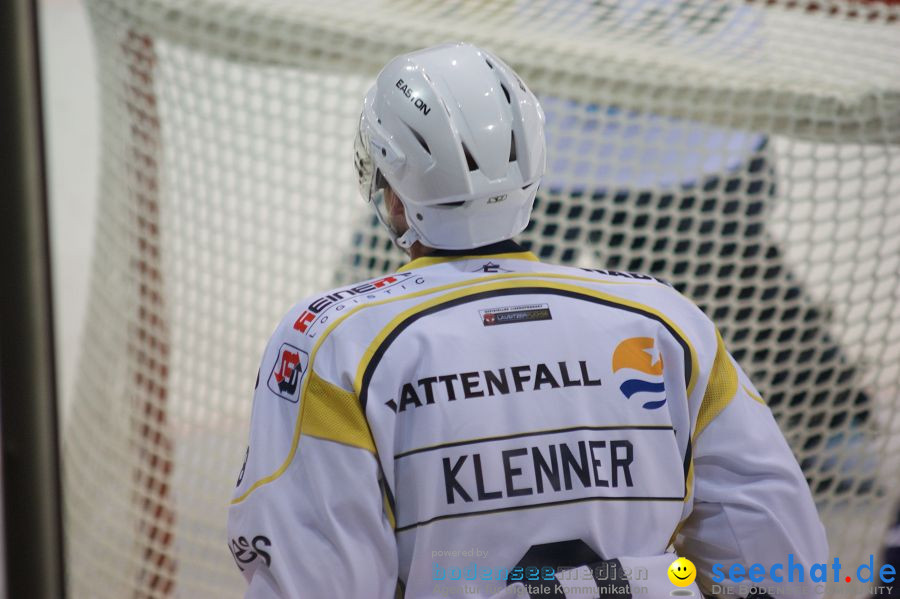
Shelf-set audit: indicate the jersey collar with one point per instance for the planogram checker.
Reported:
(502, 249)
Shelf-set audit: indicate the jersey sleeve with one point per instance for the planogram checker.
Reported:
(752, 504)
(307, 518)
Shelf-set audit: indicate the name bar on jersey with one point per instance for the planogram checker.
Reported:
(554, 467)
(542, 468)
(489, 383)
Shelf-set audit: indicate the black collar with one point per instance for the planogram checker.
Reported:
(501, 247)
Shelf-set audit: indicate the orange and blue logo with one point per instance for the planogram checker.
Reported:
(641, 355)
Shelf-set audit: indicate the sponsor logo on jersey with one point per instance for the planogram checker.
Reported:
(489, 383)
(246, 552)
(350, 294)
(642, 364)
(513, 314)
(490, 267)
(290, 364)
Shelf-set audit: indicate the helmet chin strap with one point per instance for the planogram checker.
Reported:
(408, 238)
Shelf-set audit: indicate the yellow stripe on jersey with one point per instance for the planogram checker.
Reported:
(756, 397)
(334, 414)
(430, 260)
(720, 390)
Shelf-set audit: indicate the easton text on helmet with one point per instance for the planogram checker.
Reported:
(416, 100)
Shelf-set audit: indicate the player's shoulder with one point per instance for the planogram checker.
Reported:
(308, 319)
(643, 289)
(292, 346)
(612, 279)
(620, 276)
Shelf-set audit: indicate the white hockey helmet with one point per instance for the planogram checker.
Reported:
(460, 140)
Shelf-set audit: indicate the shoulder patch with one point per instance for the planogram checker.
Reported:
(287, 372)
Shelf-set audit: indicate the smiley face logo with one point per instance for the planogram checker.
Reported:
(682, 572)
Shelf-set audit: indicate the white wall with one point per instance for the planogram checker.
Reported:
(71, 129)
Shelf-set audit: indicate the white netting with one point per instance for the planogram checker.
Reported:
(747, 152)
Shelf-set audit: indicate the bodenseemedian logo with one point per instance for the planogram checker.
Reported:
(794, 579)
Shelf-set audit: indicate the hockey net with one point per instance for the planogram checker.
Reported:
(747, 152)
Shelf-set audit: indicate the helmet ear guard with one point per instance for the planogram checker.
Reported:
(392, 158)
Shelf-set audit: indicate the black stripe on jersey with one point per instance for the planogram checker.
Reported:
(385, 489)
(389, 493)
(647, 427)
(501, 247)
(531, 506)
(389, 339)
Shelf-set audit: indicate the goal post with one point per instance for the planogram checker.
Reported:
(31, 543)
(747, 152)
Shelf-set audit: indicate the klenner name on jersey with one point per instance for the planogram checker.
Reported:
(534, 468)
(488, 383)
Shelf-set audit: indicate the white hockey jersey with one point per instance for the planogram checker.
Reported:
(476, 420)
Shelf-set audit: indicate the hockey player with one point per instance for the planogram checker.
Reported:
(482, 424)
